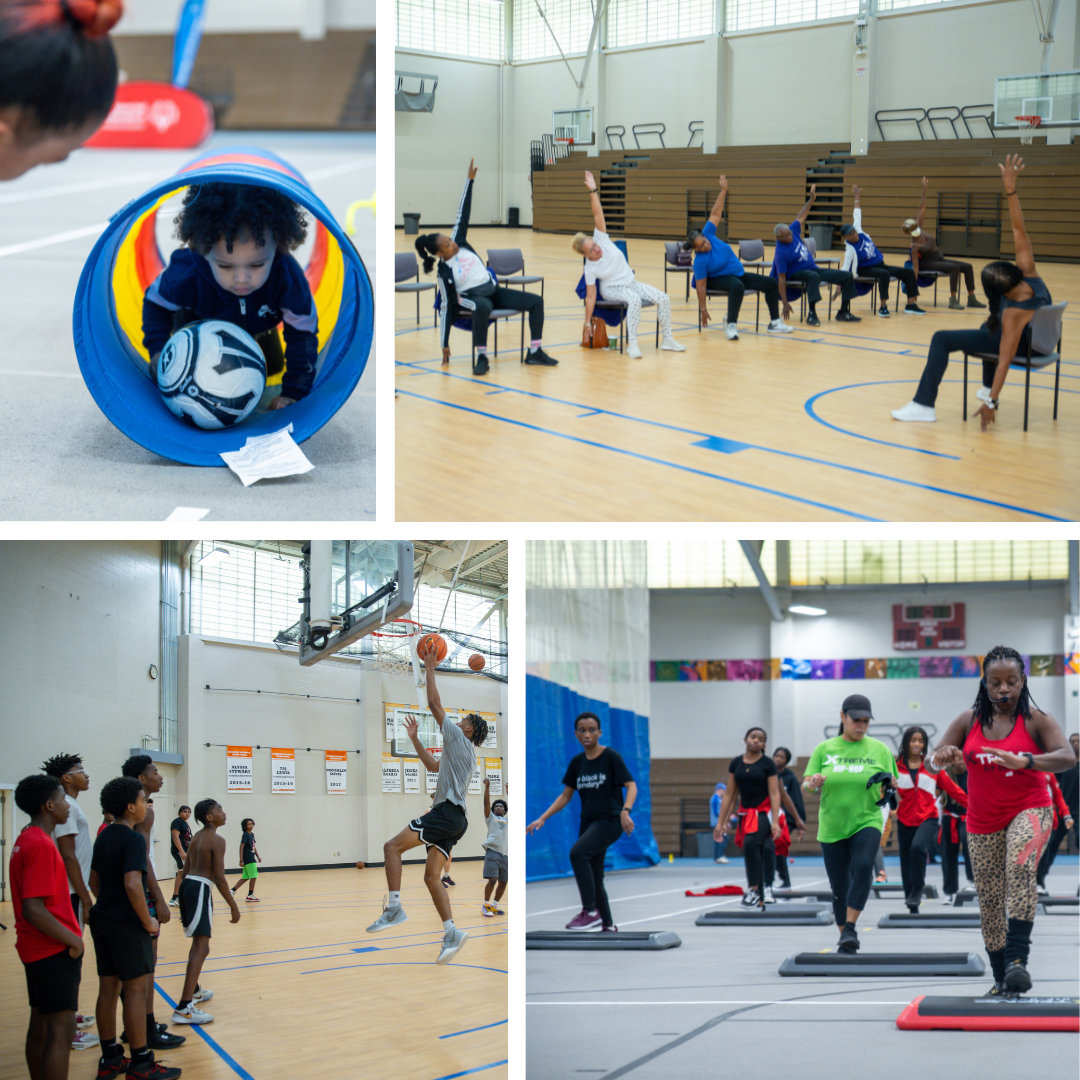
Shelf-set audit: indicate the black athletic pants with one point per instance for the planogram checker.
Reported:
(950, 856)
(849, 865)
(914, 842)
(1051, 851)
(782, 870)
(950, 341)
(488, 297)
(881, 274)
(736, 289)
(587, 859)
(811, 280)
(759, 855)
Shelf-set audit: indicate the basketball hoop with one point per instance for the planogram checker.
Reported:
(563, 147)
(1027, 125)
(395, 643)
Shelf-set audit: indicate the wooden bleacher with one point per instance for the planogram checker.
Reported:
(644, 191)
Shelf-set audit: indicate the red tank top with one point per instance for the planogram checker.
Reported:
(996, 795)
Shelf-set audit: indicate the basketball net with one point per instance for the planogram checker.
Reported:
(395, 646)
(1028, 125)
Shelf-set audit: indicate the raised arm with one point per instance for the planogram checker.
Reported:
(461, 225)
(718, 208)
(594, 202)
(434, 701)
(487, 797)
(922, 203)
(856, 213)
(431, 763)
(1010, 171)
(804, 213)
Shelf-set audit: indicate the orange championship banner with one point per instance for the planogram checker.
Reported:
(282, 771)
(337, 764)
(154, 116)
(239, 769)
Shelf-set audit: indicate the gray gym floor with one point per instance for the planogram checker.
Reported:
(716, 1007)
(63, 459)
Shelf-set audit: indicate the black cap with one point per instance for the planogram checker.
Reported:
(846, 228)
(857, 707)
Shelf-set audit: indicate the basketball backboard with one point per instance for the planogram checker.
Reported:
(576, 124)
(1052, 96)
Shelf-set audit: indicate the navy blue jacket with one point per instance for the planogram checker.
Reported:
(188, 282)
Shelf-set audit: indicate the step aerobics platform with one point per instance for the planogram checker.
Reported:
(619, 939)
(892, 888)
(1045, 902)
(795, 915)
(992, 1014)
(887, 964)
(804, 894)
(931, 920)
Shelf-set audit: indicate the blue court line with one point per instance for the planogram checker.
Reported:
(498, 1023)
(409, 963)
(479, 1068)
(646, 457)
(223, 1054)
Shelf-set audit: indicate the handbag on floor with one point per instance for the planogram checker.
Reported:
(594, 336)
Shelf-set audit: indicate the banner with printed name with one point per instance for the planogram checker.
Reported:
(239, 769)
(391, 774)
(282, 771)
(475, 785)
(432, 777)
(337, 766)
(411, 773)
(493, 772)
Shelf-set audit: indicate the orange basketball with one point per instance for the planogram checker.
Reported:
(359, 866)
(440, 647)
(476, 662)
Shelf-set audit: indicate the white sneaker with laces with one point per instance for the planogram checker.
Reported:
(1042, 890)
(632, 350)
(672, 345)
(732, 331)
(203, 995)
(914, 411)
(452, 945)
(191, 1015)
(983, 394)
(83, 1022)
(486, 910)
(750, 899)
(722, 860)
(769, 898)
(950, 900)
(84, 1040)
(778, 326)
(389, 917)
(174, 902)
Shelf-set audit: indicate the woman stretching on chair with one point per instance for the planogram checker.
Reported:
(1015, 292)
(467, 288)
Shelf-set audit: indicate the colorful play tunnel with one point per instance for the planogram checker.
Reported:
(126, 259)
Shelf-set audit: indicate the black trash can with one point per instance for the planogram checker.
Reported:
(514, 217)
(412, 224)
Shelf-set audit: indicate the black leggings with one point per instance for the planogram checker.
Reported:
(849, 865)
(737, 286)
(487, 298)
(954, 268)
(810, 280)
(587, 859)
(950, 856)
(914, 841)
(1051, 851)
(759, 855)
(881, 274)
(970, 341)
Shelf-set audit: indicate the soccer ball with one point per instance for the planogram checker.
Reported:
(211, 374)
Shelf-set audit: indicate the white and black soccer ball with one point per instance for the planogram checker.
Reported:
(211, 374)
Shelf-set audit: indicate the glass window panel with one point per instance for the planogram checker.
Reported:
(472, 28)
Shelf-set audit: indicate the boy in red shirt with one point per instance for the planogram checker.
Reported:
(47, 935)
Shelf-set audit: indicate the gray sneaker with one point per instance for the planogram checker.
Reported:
(389, 917)
(191, 1015)
(451, 945)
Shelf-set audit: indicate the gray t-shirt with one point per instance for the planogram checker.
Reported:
(456, 766)
(77, 826)
(496, 837)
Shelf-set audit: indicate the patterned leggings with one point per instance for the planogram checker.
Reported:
(632, 295)
(1004, 864)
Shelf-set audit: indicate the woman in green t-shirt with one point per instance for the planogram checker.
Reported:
(849, 821)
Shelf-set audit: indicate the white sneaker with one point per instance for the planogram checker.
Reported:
(1042, 890)
(452, 945)
(950, 900)
(672, 345)
(914, 411)
(487, 910)
(84, 1040)
(389, 917)
(983, 394)
(174, 902)
(769, 898)
(203, 995)
(83, 1022)
(778, 326)
(632, 350)
(191, 1015)
(732, 332)
(722, 860)
(750, 899)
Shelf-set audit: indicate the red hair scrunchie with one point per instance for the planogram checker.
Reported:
(96, 17)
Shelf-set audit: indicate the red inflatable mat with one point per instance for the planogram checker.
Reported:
(926, 1013)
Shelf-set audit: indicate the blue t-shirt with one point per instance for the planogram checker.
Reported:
(721, 261)
(867, 252)
(793, 257)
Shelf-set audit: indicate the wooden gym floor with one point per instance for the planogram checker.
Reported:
(298, 981)
(771, 427)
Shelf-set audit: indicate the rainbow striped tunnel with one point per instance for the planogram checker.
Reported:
(126, 259)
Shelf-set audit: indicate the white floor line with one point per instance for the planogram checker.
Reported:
(58, 238)
(840, 1004)
(73, 189)
(713, 903)
(617, 899)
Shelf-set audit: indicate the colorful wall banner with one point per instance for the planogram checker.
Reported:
(337, 765)
(475, 785)
(239, 769)
(282, 771)
(411, 773)
(432, 777)
(391, 774)
(493, 772)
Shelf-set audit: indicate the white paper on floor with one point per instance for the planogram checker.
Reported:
(266, 456)
(187, 513)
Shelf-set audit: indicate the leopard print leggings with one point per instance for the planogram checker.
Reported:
(1004, 864)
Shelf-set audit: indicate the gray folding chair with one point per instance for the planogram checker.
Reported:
(405, 268)
(506, 262)
(1044, 349)
(671, 265)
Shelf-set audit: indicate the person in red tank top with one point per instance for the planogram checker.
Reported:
(917, 814)
(1007, 743)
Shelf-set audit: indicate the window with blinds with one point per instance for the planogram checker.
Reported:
(755, 14)
(472, 28)
(900, 5)
(570, 20)
(639, 22)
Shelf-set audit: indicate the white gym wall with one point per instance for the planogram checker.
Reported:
(239, 16)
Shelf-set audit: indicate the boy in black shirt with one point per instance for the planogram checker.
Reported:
(179, 838)
(122, 928)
